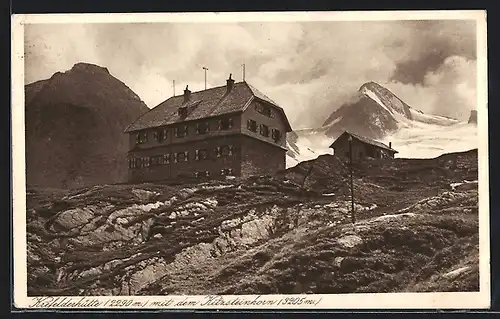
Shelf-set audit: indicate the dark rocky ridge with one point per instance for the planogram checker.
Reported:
(74, 128)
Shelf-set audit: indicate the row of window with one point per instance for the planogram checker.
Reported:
(264, 130)
(223, 172)
(199, 154)
(182, 130)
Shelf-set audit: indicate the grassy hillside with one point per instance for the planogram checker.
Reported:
(416, 230)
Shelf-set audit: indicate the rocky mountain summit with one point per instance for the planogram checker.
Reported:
(416, 229)
(74, 128)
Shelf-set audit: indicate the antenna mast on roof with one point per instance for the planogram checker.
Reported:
(206, 69)
(173, 86)
(243, 65)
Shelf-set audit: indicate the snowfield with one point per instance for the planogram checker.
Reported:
(310, 145)
(428, 141)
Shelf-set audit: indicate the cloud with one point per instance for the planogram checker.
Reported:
(450, 90)
(310, 68)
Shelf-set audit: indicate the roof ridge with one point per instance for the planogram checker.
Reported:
(257, 92)
(369, 140)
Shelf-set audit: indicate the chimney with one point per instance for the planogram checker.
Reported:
(390, 145)
(230, 83)
(187, 94)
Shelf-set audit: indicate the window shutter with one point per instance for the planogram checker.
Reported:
(230, 151)
(176, 132)
(197, 155)
(186, 154)
(230, 122)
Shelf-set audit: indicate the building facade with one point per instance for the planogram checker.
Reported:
(229, 130)
(362, 147)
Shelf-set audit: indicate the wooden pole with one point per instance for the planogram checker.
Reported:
(173, 86)
(243, 65)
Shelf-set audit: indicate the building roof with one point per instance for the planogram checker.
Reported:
(365, 140)
(202, 104)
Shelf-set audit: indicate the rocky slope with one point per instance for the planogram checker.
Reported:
(74, 128)
(416, 229)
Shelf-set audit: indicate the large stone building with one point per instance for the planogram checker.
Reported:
(228, 130)
(362, 147)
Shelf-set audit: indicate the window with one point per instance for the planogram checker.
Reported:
(264, 130)
(157, 160)
(201, 154)
(276, 134)
(160, 135)
(202, 128)
(225, 124)
(264, 109)
(146, 161)
(252, 125)
(131, 163)
(181, 131)
(200, 174)
(182, 111)
(225, 150)
(166, 159)
(141, 137)
(226, 172)
(181, 157)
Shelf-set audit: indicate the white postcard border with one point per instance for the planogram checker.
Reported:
(456, 300)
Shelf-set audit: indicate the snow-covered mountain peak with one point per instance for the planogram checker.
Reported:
(404, 114)
(386, 99)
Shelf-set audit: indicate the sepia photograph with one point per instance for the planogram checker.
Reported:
(307, 157)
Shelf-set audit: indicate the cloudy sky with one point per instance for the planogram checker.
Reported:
(309, 68)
